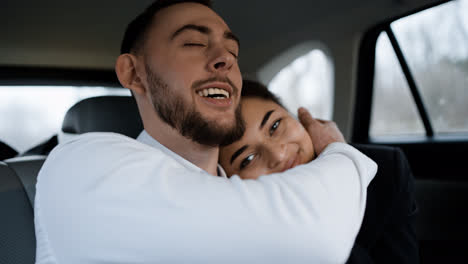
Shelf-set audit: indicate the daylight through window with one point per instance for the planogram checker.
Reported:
(32, 114)
(435, 45)
(307, 82)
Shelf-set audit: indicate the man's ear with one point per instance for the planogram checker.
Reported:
(126, 71)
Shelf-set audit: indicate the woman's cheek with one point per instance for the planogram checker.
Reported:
(306, 143)
(296, 131)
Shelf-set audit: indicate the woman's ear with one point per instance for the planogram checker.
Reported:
(127, 73)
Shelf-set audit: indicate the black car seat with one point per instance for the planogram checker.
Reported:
(18, 175)
(441, 224)
(117, 114)
(6, 151)
(17, 238)
(43, 148)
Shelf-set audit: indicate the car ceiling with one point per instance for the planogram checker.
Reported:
(87, 34)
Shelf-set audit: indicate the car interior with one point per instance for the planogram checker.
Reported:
(61, 44)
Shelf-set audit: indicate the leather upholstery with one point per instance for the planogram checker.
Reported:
(6, 151)
(17, 238)
(117, 114)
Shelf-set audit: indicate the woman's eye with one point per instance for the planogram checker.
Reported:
(274, 126)
(245, 162)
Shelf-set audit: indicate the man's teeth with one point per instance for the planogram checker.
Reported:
(214, 93)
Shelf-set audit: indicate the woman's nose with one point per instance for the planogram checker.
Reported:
(277, 155)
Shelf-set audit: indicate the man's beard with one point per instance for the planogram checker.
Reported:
(171, 108)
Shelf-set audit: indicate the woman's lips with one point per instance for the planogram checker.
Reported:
(293, 162)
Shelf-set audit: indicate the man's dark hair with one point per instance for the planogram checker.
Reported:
(258, 90)
(136, 31)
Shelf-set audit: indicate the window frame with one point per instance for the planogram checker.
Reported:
(55, 76)
(365, 85)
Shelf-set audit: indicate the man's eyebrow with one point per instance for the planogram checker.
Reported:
(204, 30)
(201, 29)
(265, 118)
(231, 36)
(238, 152)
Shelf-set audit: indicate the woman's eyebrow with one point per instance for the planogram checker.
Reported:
(262, 124)
(238, 152)
(265, 118)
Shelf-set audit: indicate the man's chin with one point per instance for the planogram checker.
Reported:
(221, 121)
(219, 128)
(222, 128)
(215, 136)
(211, 114)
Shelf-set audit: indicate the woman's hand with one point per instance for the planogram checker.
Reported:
(321, 132)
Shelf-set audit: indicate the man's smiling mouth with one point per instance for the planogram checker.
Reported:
(215, 93)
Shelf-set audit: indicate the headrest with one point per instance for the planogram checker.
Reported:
(117, 114)
(6, 151)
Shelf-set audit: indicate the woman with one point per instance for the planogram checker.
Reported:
(275, 141)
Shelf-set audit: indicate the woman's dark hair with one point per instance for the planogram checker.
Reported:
(258, 90)
(135, 34)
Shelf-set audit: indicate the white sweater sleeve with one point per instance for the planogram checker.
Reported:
(107, 199)
(325, 198)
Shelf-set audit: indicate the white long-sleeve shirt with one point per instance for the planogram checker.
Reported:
(107, 198)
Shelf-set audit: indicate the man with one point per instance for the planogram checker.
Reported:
(106, 198)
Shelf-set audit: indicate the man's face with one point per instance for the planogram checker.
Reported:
(192, 73)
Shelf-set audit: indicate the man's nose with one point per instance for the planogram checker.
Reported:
(277, 155)
(221, 60)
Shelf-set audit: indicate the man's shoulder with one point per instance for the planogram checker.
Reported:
(95, 142)
(97, 137)
(103, 160)
(93, 151)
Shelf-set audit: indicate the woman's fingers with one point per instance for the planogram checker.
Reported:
(322, 132)
(305, 117)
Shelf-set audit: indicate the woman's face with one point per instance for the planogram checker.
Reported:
(273, 141)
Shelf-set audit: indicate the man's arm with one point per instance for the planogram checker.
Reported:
(324, 199)
(107, 198)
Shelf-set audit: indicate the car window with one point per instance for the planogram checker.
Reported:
(307, 82)
(393, 110)
(434, 44)
(32, 114)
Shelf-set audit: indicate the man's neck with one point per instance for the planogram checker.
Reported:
(202, 156)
